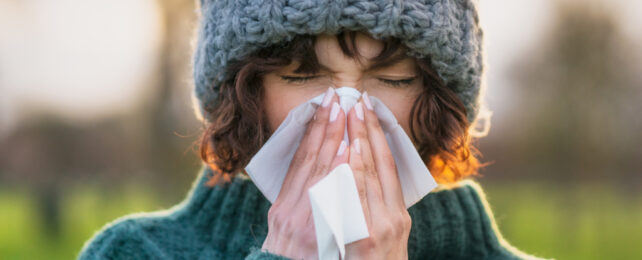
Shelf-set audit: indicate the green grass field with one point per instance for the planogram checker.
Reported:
(582, 222)
(586, 221)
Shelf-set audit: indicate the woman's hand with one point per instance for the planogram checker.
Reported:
(290, 224)
(379, 188)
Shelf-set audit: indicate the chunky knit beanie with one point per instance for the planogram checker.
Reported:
(445, 30)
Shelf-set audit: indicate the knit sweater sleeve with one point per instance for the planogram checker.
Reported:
(457, 223)
(258, 254)
(121, 240)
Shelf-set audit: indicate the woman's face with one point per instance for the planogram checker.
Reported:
(397, 85)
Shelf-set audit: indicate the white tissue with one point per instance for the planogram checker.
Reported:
(336, 208)
(337, 213)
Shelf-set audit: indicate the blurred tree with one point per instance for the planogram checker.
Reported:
(152, 146)
(170, 106)
(48, 154)
(579, 101)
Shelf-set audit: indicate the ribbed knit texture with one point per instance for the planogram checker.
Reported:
(446, 30)
(230, 222)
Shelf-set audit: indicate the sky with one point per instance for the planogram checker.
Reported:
(87, 59)
(80, 59)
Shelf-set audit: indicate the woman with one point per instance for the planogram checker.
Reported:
(253, 64)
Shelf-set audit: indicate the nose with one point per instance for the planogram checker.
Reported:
(354, 83)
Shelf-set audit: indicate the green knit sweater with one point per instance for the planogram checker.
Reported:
(230, 222)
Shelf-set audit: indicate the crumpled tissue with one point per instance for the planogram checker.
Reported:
(336, 208)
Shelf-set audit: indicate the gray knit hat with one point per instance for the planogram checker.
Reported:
(446, 30)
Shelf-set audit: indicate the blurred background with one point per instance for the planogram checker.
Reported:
(96, 121)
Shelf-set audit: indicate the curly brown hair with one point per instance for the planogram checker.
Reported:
(237, 124)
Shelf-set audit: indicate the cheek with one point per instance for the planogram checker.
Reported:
(279, 99)
(277, 107)
(399, 102)
(401, 108)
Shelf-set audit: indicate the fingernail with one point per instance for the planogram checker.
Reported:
(334, 112)
(359, 111)
(357, 145)
(328, 97)
(342, 148)
(366, 100)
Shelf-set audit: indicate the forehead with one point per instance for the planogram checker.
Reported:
(327, 46)
(331, 58)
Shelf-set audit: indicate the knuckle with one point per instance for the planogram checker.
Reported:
(271, 212)
(303, 154)
(297, 160)
(371, 172)
(310, 156)
(329, 137)
(308, 238)
(283, 221)
(361, 133)
(389, 161)
(386, 229)
(399, 227)
(274, 217)
(288, 224)
(361, 190)
(407, 220)
(309, 130)
(309, 126)
(320, 168)
(358, 168)
(402, 224)
(373, 123)
(301, 160)
(333, 131)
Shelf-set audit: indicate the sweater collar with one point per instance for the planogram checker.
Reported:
(234, 215)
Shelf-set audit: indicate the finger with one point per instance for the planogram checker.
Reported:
(332, 140)
(342, 155)
(330, 147)
(356, 165)
(357, 131)
(328, 151)
(383, 159)
(306, 153)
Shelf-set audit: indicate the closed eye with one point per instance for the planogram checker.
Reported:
(397, 83)
(291, 79)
